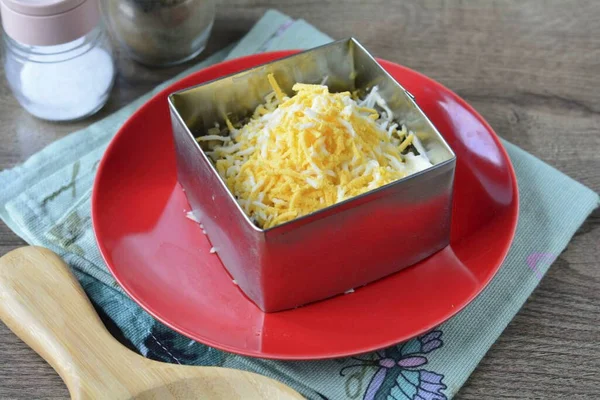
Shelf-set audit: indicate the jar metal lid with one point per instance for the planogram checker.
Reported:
(42, 7)
(48, 22)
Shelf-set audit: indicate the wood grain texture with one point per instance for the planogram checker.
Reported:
(531, 68)
(44, 305)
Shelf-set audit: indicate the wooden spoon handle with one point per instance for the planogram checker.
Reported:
(44, 305)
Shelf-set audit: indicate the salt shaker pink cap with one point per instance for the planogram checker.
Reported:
(48, 22)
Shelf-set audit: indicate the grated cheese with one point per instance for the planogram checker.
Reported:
(302, 153)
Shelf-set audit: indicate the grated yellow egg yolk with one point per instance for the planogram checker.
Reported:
(299, 154)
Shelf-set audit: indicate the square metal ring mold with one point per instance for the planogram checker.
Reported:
(335, 249)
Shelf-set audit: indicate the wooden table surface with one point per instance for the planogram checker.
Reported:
(530, 67)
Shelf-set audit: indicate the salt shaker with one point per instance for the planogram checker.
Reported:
(58, 59)
(160, 32)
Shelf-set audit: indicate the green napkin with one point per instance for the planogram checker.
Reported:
(46, 201)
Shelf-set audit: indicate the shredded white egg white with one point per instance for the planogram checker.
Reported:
(302, 153)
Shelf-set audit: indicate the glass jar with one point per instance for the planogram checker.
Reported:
(61, 82)
(58, 60)
(160, 32)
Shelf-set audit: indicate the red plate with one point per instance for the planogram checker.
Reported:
(162, 259)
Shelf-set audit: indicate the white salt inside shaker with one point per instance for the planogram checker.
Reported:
(58, 59)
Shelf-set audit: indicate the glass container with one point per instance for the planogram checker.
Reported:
(160, 32)
(58, 59)
(61, 82)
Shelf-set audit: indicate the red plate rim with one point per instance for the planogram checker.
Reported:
(514, 212)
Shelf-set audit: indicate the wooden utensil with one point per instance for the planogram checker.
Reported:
(43, 304)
